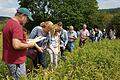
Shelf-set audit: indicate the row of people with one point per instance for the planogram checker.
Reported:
(96, 34)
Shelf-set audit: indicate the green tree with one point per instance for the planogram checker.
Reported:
(75, 12)
(104, 19)
(70, 12)
(115, 24)
(38, 9)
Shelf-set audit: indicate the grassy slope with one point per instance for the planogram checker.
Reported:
(2, 23)
(0, 45)
(95, 61)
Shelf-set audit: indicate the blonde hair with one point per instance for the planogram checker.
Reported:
(46, 23)
(56, 28)
(42, 24)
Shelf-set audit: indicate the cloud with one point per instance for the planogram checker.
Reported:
(9, 12)
(106, 4)
(8, 7)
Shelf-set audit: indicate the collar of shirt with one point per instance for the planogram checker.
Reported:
(16, 20)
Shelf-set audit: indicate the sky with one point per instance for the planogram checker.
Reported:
(8, 7)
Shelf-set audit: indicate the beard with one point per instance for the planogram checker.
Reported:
(22, 23)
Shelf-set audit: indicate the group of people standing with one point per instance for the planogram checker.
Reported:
(56, 40)
(97, 35)
(16, 46)
(51, 44)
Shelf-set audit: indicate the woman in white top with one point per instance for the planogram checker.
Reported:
(54, 47)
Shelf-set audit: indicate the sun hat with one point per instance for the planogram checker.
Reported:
(26, 12)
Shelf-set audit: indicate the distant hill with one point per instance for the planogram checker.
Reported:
(113, 10)
(2, 18)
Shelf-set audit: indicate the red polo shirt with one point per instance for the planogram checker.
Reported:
(13, 29)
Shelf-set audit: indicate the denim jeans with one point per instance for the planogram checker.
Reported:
(40, 59)
(70, 46)
(92, 39)
(17, 70)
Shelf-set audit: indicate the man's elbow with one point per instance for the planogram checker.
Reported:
(16, 46)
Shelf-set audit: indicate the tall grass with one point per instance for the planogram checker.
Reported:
(2, 23)
(95, 61)
(1, 45)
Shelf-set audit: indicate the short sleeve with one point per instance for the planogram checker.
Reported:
(17, 31)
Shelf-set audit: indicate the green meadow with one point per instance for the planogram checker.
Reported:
(95, 61)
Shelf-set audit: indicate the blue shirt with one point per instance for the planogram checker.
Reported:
(63, 37)
(71, 34)
(38, 31)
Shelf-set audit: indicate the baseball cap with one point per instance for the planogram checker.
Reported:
(26, 12)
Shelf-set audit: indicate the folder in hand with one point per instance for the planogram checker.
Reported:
(37, 39)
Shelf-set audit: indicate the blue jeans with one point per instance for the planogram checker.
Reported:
(70, 46)
(40, 59)
(17, 70)
(92, 39)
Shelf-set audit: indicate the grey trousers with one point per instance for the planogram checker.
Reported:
(17, 70)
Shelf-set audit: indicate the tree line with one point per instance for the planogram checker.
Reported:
(71, 12)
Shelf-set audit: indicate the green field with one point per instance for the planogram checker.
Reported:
(2, 23)
(0, 45)
(95, 61)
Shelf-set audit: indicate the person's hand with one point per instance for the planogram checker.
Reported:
(31, 44)
(40, 49)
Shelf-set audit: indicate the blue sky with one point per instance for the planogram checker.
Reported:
(8, 7)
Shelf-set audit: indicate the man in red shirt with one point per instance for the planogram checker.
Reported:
(14, 43)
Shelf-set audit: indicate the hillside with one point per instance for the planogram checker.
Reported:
(2, 18)
(113, 10)
(2, 22)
